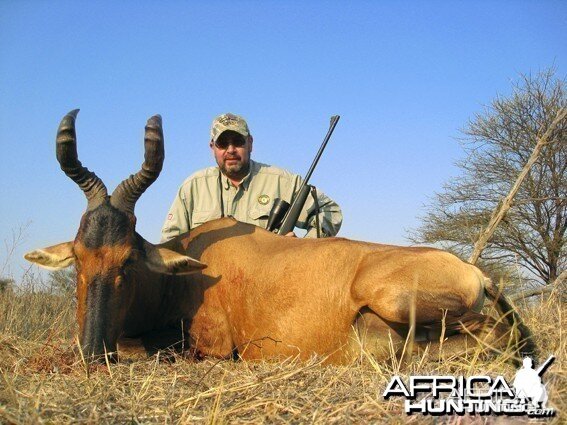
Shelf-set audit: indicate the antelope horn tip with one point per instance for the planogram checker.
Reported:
(73, 113)
(155, 120)
(67, 124)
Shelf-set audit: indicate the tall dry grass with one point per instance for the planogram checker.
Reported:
(42, 377)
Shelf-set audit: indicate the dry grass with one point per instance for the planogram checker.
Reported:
(42, 378)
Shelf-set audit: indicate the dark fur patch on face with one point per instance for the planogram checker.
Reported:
(96, 321)
(104, 226)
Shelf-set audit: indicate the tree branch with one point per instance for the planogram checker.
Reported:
(506, 203)
(541, 290)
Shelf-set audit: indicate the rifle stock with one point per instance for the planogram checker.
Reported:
(277, 214)
(290, 219)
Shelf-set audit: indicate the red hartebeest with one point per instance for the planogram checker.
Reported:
(260, 295)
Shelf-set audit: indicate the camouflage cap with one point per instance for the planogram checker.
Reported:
(228, 122)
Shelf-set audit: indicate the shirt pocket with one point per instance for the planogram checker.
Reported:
(200, 217)
(259, 214)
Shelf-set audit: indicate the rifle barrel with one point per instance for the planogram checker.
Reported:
(333, 124)
(286, 224)
(543, 367)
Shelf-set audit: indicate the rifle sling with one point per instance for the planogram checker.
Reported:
(317, 210)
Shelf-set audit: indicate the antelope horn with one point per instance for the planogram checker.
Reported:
(127, 193)
(66, 150)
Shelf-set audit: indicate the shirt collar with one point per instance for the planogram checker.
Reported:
(245, 182)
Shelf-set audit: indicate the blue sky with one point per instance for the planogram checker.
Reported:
(405, 76)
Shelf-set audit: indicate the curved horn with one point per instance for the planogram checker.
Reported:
(127, 193)
(66, 150)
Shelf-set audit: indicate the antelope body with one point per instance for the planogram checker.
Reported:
(232, 288)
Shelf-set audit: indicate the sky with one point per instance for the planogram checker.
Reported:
(405, 77)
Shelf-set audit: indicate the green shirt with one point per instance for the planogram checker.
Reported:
(199, 200)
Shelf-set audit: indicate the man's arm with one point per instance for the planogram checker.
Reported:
(330, 215)
(178, 217)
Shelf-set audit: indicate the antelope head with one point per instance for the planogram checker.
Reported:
(107, 247)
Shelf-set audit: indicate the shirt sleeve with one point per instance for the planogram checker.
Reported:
(330, 215)
(177, 220)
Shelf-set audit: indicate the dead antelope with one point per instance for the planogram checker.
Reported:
(260, 295)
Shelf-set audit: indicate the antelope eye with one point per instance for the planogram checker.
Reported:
(129, 263)
(127, 266)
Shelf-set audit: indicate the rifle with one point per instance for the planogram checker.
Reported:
(545, 365)
(283, 217)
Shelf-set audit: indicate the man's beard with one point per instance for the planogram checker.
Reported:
(237, 170)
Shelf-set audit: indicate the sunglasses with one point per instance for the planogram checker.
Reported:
(224, 142)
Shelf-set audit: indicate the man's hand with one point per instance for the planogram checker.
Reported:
(291, 235)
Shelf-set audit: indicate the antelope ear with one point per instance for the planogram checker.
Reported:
(53, 257)
(163, 260)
